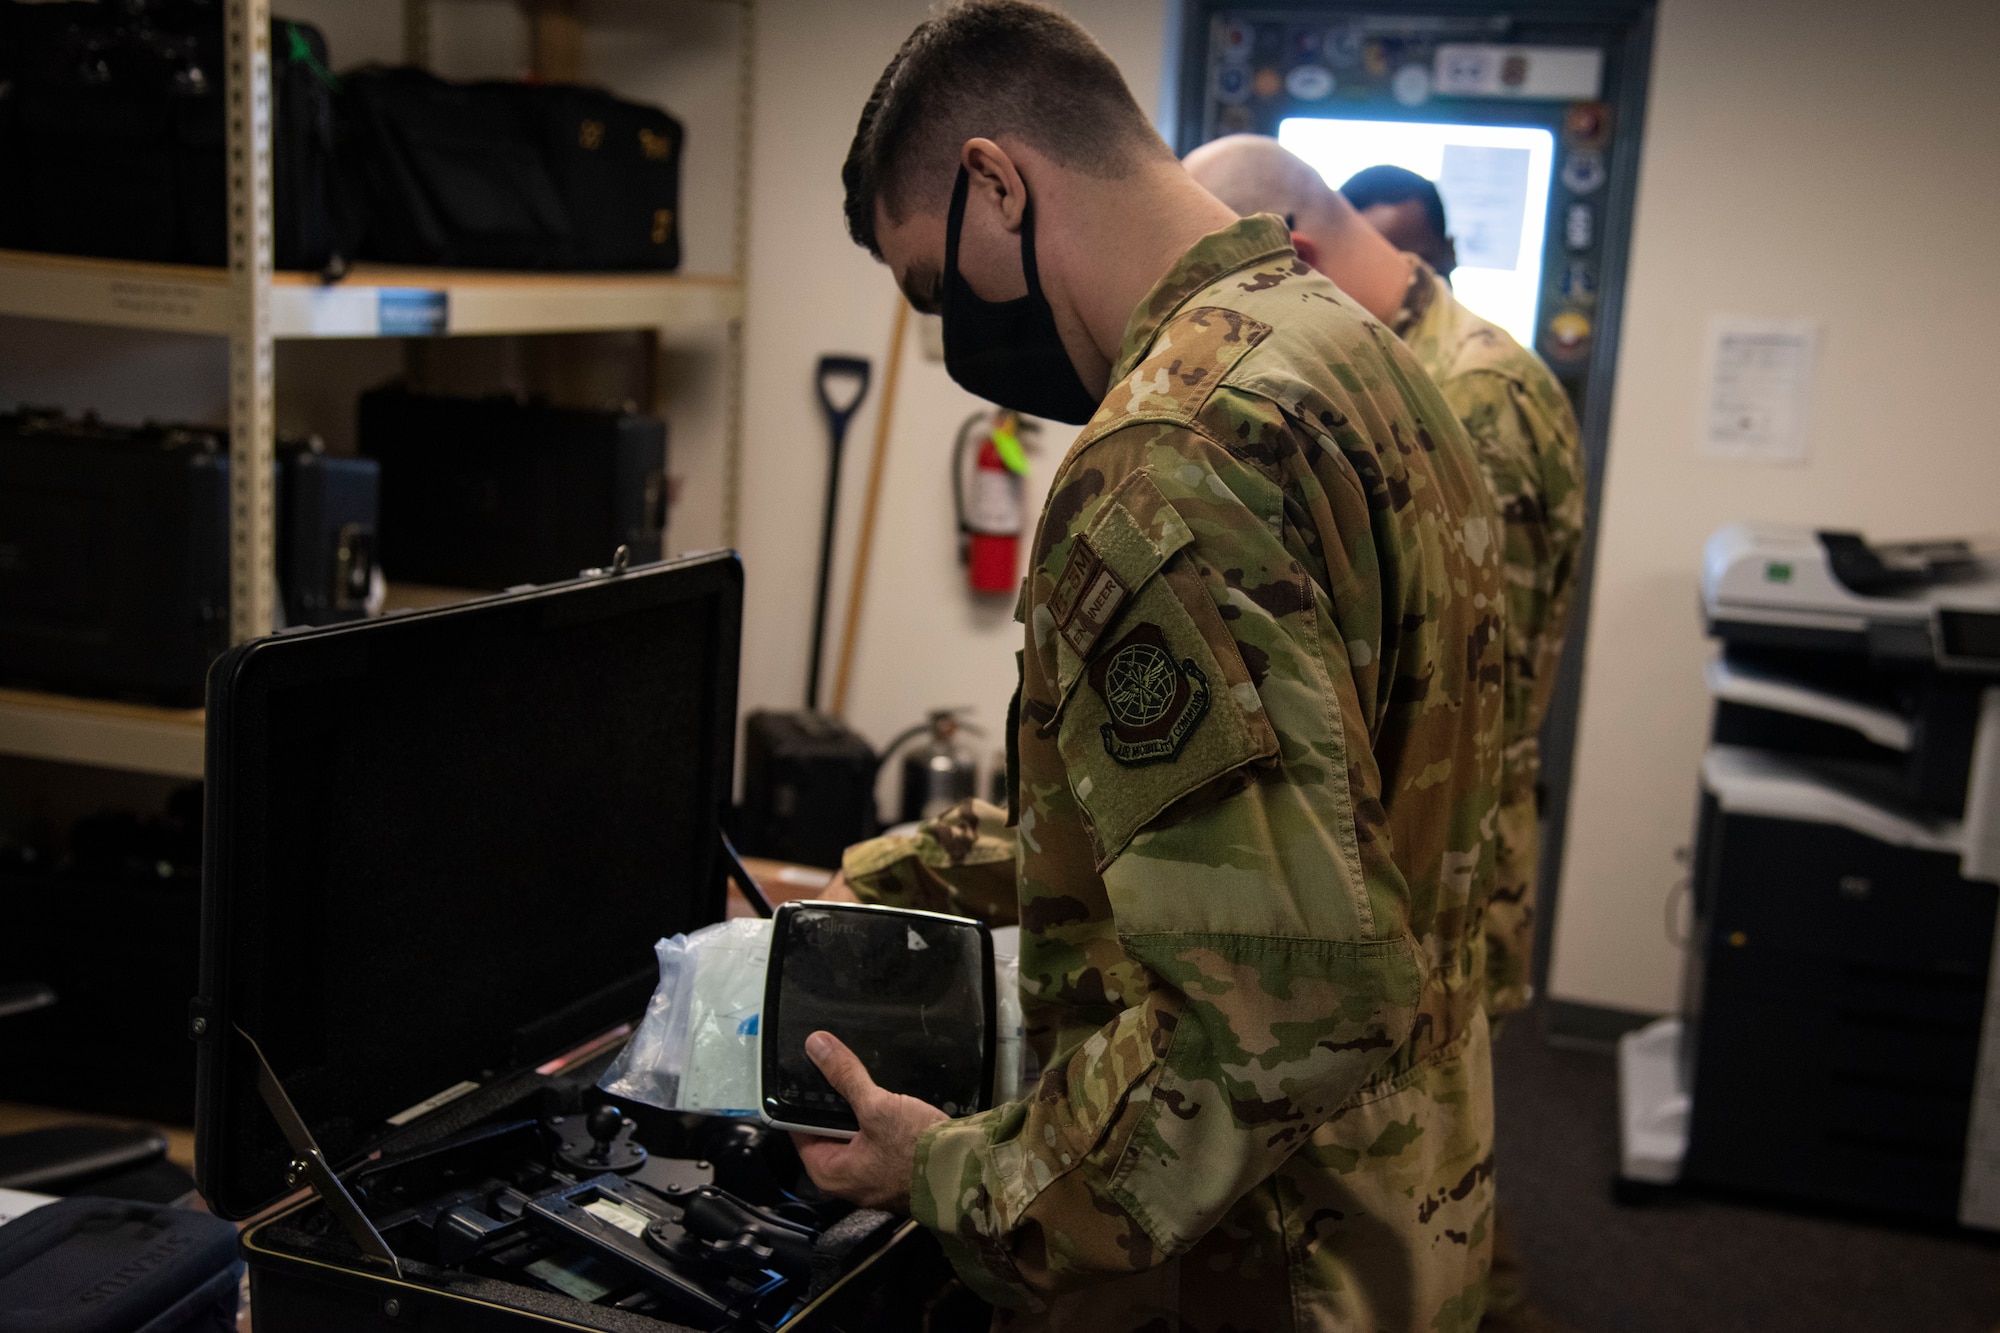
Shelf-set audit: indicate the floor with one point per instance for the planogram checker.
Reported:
(1684, 1264)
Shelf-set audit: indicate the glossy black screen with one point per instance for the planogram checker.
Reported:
(909, 992)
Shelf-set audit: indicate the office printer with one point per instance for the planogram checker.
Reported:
(1866, 664)
(1931, 603)
(1839, 1034)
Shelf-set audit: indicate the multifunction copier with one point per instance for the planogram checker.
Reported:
(1839, 1034)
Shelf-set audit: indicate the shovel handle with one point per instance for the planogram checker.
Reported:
(839, 414)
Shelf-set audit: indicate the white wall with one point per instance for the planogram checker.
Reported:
(924, 640)
(1825, 159)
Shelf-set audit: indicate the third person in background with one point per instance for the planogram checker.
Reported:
(1407, 209)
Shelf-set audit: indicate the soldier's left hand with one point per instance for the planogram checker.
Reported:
(873, 1168)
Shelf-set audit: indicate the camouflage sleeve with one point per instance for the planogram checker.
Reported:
(961, 861)
(1530, 448)
(1202, 723)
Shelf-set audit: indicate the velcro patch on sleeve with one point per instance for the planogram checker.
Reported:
(1159, 717)
(1154, 700)
(1087, 597)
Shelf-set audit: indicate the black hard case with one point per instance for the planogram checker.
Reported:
(808, 788)
(439, 847)
(114, 557)
(329, 513)
(492, 492)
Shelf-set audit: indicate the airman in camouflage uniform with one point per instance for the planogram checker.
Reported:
(1526, 437)
(1258, 775)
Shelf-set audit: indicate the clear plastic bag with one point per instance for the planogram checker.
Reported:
(697, 1047)
(1011, 1055)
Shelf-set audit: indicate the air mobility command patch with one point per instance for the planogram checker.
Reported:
(1154, 701)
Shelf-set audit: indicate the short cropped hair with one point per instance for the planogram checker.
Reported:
(989, 68)
(1396, 185)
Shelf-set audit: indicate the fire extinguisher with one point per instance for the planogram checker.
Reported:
(989, 497)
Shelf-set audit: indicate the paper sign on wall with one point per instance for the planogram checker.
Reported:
(1485, 192)
(1758, 400)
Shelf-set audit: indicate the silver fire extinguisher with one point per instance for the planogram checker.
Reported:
(939, 771)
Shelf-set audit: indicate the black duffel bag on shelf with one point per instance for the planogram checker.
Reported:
(509, 175)
(112, 135)
(617, 168)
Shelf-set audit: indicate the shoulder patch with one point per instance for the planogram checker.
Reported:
(1154, 702)
(1190, 355)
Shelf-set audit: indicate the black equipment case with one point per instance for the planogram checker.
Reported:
(492, 492)
(114, 556)
(808, 788)
(439, 848)
(114, 551)
(328, 510)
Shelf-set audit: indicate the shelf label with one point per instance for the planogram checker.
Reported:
(159, 303)
(412, 312)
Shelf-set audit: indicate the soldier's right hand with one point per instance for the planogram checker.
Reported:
(873, 1168)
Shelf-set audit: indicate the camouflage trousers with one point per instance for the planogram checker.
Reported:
(1510, 912)
(1382, 1223)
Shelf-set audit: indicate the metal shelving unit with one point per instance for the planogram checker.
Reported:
(254, 307)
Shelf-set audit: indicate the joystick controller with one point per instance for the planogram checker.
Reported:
(605, 1143)
(603, 1122)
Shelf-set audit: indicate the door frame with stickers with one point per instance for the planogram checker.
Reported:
(1577, 68)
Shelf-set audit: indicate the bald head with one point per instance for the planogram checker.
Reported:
(1253, 173)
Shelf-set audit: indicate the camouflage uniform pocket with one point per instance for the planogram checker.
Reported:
(1162, 707)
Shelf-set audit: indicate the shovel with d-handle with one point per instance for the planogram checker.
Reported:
(834, 374)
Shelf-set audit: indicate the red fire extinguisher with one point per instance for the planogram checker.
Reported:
(989, 498)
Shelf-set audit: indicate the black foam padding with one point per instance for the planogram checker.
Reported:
(835, 1248)
(309, 1235)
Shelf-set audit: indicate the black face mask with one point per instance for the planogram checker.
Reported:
(1008, 352)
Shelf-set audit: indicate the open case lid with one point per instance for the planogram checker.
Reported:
(440, 846)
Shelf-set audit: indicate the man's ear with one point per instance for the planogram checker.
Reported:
(1307, 250)
(993, 176)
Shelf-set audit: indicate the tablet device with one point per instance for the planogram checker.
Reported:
(911, 993)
